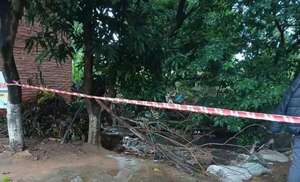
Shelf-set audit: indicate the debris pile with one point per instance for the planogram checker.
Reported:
(239, 173)
(273, 156)
(50, 117)
(134, 146)
(251, 165)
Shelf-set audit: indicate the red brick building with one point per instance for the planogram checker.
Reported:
(49, 73)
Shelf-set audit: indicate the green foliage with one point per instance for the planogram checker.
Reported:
(6, 179)
(229, 54)
(77, 66)
(49, 116)
(44, 97)
(127, 52)
(203, 62)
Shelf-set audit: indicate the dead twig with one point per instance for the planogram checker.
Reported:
(270, 142)
(170, 155)
(185, 147)
(132, 129)
(131, 120)
(224, 144)
(242, 130)
(180, 162)
(70, 125)
(207, 134)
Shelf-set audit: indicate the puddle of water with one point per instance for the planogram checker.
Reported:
(127, 167)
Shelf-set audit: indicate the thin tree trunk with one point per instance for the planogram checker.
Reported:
(14, 125)
(92, 108)
(11, 12)
(94, 124)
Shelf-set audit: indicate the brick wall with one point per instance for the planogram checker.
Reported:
(54, 75)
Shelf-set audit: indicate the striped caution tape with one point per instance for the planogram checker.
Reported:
(172, 106)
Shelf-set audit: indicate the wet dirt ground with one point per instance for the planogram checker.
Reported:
(50, 161)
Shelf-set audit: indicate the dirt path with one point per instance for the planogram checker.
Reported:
(49, 161)
(45, 158)
(52, 162)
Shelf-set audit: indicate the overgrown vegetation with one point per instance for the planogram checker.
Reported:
(229, 54)
(50, 116)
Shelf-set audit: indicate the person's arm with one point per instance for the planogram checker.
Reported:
(276, 127)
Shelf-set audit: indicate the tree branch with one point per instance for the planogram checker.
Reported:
(182, 15)
(281, 32)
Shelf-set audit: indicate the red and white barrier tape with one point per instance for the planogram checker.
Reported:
(179, 107)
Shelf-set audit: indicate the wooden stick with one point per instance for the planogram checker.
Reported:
(70, 125)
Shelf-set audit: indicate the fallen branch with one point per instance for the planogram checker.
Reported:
(168, 154)
(242, 130)
(132, 129)
(207, 134)
(183, 146)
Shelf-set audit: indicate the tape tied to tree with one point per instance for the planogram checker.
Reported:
(171, 106)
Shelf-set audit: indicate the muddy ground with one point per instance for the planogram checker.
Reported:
(50, 161)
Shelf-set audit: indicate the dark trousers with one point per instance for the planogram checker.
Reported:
(294, 171)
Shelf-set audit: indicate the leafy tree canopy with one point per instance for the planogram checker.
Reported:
(236, 54)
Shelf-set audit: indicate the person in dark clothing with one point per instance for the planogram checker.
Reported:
(290, 105)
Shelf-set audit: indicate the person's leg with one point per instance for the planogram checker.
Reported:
(294, 171)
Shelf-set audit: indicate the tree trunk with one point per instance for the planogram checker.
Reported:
(14, 125)
(94, 123)
(92, 107)
(11, 12)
